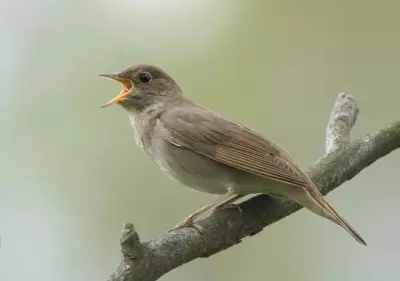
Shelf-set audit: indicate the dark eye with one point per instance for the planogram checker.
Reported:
(145, 77)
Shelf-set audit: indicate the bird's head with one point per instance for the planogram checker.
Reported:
(143, 85)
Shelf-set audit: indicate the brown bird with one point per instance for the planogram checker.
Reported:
(209, 152)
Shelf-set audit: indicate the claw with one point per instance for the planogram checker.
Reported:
(226, 207)
(187, 223)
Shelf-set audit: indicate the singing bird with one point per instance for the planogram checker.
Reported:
(209, 152)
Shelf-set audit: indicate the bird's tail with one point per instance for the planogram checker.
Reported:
(317, 204)
(343, 223)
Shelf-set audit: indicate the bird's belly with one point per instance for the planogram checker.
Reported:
(193, 170)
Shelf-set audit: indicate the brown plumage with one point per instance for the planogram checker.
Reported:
(209, 152)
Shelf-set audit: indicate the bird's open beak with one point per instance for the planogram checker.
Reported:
(127, 87)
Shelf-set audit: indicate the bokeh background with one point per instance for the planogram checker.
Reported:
(71, 174)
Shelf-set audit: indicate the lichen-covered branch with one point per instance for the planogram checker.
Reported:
(342, 119)
(147, 261)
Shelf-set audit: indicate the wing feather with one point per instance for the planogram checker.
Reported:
(232, 144)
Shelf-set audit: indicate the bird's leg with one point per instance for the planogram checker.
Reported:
(189, 221)
(228, 205)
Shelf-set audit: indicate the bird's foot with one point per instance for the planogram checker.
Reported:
(223, 207)
(187, 223)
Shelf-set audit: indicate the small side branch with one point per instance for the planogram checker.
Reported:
(130, 243)
(342, 119)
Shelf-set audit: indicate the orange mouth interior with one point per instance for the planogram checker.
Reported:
(127, 88)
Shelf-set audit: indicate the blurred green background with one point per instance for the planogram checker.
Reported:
(71, 174)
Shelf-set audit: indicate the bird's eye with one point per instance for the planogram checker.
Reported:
(145, 77)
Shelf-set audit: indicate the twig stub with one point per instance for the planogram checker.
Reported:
(341, 121)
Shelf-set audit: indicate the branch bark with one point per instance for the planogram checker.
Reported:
(341, 121)
(148, 261)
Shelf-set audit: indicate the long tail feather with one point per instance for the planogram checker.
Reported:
(317, 204)
(343, 223)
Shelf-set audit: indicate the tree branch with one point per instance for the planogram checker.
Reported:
(341, 121)
(147, 261)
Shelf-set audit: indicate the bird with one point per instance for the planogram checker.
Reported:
(209, 152)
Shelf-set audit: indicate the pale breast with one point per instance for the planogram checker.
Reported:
(136, 126)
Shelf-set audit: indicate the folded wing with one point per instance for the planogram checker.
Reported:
(218, 138)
